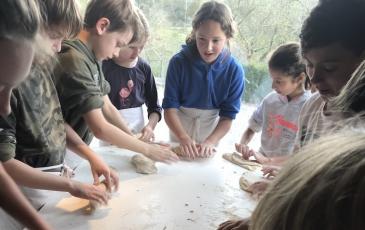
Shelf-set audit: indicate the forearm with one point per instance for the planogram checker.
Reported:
(19, 207)
(113, 116)
(115, 136)
(153, 120)
(277, 161)
(247, 136)
(220, 130)
(27, 176)
(173, 122)
(76, 144)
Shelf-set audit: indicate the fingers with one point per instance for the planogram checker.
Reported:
(108, 181)
(244, 150)
(115, 179)
(147, 135)
(206, 151)
(90, 192)
(163, 155)
(188, 151)
(96, 177)
(170, 156)
(99, 196)
(270, 172)
(195, 150)
(258, 188)
(238, 147)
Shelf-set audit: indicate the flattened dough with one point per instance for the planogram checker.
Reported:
(244, 184)
(236, 158)
(143, 164)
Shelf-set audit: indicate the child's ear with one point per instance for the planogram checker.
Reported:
(102, 26)
(301, 78)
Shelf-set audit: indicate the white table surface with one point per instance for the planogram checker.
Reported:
(185, 195)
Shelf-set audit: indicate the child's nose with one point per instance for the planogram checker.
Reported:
(210, 46)
(116, 52)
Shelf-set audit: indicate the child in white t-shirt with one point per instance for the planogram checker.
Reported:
(277, 115)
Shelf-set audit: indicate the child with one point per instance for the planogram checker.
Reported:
(277, 115)
(333, 46)
(34, 133)
(204, 83)
(81, 85)
(132, 84)
(322, 187)
(19, 22)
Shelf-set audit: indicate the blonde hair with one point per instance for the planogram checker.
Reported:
(63, 14)
(321, 187)
(352, 96)
(19, 19)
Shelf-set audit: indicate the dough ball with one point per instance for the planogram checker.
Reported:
(143, 164)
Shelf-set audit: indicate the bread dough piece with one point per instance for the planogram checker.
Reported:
(178, 151)
(143, 164)
(94, 205)
(237, 159)
(245, 185)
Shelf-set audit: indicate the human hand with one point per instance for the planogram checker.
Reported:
(162, 154)
(206, 149)
(147, 134)
(244, 150)
(98, 168)
(270, 171)
(258, 188)
(90, 192)
(260, 158)
(189, 148)
(242, 224)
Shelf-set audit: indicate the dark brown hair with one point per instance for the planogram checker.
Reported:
(216, 11)
(119, 12)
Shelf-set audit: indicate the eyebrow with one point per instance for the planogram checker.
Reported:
(324, 61)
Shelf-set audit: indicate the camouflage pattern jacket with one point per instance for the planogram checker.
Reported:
(34, 132)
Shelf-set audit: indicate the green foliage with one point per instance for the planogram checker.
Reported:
(163, 44)
(257, 82)
(262, 25)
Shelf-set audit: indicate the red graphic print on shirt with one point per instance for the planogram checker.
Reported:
(276, 124)
(125, 92)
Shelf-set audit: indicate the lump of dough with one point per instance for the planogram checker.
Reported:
(143, 164)
(237, 159)
(94, 205)
(178, 151)
(244, 184)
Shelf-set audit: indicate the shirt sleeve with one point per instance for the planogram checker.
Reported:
(256, 120)
(171, 96)
(231, 106)
(78, 91)
(151, 96)
(7, 136)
